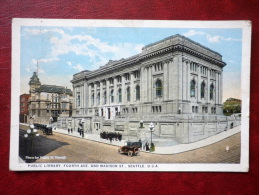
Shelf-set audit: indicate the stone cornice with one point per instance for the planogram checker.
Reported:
(172, 44)
(183, 48)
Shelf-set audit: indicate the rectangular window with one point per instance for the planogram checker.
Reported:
(78, 99)
(64, 105)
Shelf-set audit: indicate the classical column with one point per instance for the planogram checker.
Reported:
(90, 95)
(115, 90)
(101, 93)
(142, 85)
(82, 98)
(74, 95)
(208, 86)
(132, 88)
(184, 80)
(84, 94)
(123, 93)
(217, 88)
(166, 81)
(188, 81)
(95, 93)
(146, 84)
(85, 97)
(173, 78)
(199, 84)
(221, 89)
(108, 91)
(150, 84)
(180, 79)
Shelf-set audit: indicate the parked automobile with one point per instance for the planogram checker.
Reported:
(131, 148)
(47, 130)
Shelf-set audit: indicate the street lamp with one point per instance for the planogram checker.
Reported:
(179, 110)
(83, 121)
(31, 133)
(151, 127)
(32, 117)
(50, 121)
(141, 124)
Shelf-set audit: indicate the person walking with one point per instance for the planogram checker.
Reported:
(147, 146)
(140, 143)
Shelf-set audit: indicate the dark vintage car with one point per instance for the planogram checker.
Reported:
(131, 148)
(46, 129)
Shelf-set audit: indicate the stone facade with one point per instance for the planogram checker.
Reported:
(175, 83)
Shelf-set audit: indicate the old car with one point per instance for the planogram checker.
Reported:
(131, 148)
(47, 130)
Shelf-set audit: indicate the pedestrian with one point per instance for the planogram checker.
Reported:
(110, 137)
(147, 146)
(82, 131)
(140, 143)
(71, 130)
(68, 130)
(120, 136)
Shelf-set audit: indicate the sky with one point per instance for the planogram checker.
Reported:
(61, 52)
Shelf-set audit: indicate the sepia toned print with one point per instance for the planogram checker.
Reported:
(113, 95)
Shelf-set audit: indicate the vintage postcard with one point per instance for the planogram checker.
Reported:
(130, 95)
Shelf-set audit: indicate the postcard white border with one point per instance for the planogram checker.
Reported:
(245, 88)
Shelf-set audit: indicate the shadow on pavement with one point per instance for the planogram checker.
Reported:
(41, 146)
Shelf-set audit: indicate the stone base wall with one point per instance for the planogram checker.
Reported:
(181, 128)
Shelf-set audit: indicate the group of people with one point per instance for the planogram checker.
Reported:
(146, 147)
(81, 131)
(70, 130)
(111, 136)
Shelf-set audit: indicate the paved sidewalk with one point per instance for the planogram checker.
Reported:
(92, 137)
(175, 149)
(199, 144)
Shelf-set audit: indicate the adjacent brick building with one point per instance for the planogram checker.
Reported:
(24, 111)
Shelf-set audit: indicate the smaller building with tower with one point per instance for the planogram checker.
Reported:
(48, 103)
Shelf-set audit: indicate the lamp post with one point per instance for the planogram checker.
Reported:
(83, 122)
(151, 127)
(50, 121)
(31, 133)
(141, 127)
(32, 117)
(141, 124)
(179, 111)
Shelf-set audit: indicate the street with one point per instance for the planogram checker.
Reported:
(68, 149)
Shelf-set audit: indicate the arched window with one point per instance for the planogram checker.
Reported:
(192, 88)
(202, 89)
(98, 98)
(211, 91)
(112, 96)
(119, 96)
(128, 94)
(137, 92)
(159, 88)
(104, 97)
(92, 99)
